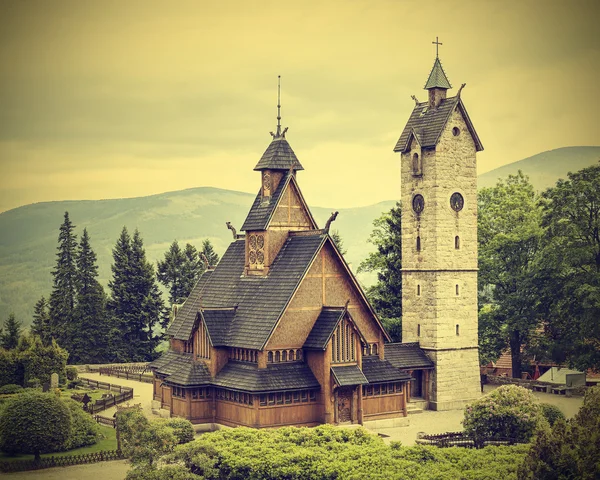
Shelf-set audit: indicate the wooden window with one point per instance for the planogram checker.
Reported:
(270, 357)
(304, 396)
(291, 355)
(271, 399)
(384, 389)
(298, 354)
(353, 346)
(280, 399)
(288, 398)
(376, 389)
(342, 343)
(312, 396)
(277, 356)
(250, 399)
(203, 342)
(296, 396)
(263, 400)
(369, 390)
(284, 356)
(374, 350)
(364, 390)
(194, 393)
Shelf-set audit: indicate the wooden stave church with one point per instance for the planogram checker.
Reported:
(280, 331)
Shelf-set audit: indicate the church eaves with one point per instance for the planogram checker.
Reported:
(437, 77)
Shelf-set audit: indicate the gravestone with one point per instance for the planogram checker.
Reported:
(46, 387)
(54, 380)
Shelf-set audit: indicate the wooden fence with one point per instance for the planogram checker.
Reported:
(459, 439)
(125, 393)
(63, 461)
(108, 421)
(129, 372)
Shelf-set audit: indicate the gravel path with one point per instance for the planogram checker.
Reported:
(113, 470)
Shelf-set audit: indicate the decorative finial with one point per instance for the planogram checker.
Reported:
(437, 44)
(232, 228)
(331, 219)
(460, 89)
(278, 133)
(415, 99)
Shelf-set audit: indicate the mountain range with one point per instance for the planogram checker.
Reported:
(28, 234)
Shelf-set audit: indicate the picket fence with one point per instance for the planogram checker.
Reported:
(48, 462)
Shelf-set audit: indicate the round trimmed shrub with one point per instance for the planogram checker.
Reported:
(551, 413)
(72, 373)
(182, 429)
(34, 422)
(507, 413)
(84, 429)
(10, 388)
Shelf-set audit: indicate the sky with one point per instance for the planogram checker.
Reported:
(111, 99)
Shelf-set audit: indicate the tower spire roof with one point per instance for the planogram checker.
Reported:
(279, 155)
(437, 77)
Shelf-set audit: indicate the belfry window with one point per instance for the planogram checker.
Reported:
(418, 290)
(416, 165)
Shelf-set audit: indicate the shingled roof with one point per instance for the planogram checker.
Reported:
(181, 369)
(218, 323)
(348, 375)
(279, 156)
(378, 371)
(182, 325)
(323, 328)
(263, 207)
(437, 78)
(427, 124)
(276, 377)
(407, 356)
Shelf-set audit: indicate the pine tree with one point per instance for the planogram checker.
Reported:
(171, 273)
(194, 267)
(41, 321)
(10, 339)
(62, 298)
(136, 302)
(209, 252)
(90, 337)
(339, 243)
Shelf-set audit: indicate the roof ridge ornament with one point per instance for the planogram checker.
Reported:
(278, 133)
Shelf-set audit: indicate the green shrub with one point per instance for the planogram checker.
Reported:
(42, 361)
(34, 383)
(34, 422)
(10, 388)
(84, 429)
(11, 367)
(508, 412)
(72, 373)
(551, 413)
(182, 429)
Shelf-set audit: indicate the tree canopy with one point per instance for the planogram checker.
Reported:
(10, 338)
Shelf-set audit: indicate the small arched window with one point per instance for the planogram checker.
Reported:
(418, 244)
(416, 164)
(291, 355)
(277, 356)
(374, 349)
(457, 242)
(418, 330)
(298, 354)
(284, 356)
(270, 357)
(457, 329)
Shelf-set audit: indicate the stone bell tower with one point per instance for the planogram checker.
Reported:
(439, 240)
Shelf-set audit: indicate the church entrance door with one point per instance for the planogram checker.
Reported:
(344, 401)
(416, 384)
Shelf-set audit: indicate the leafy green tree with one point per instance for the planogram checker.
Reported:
(339, 242)
(571, 449)
(209, 251)
(41, 321)
(40, 361)
(10, 339)
(509, 237)
(171, 273)
(90, 340)
(62, 298)
(571, 267)
(386, 261)
(135, 302)
(34, 422)
(508, 412)
(11, 368)
(84, 429)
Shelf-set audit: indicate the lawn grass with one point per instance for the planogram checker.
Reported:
(108, 442)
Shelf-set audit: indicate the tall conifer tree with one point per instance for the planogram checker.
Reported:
(136, 301)
(209, 251)
(90, 337)
(171, 273)
(62, 298)
(10, 339)
(194, 267)
(41, 321)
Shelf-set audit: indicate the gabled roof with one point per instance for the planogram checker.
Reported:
(407, 356)
(279, 156)
(437, 77)
(378, 371)
(325, 325)
(260, 300)
(263, 208)
(218, 323)
(427, 124)
(181, 369)
(183, 324)
(276, 377)
(348, 375)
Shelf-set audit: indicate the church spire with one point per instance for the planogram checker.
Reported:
(438, 82)
(278, 133)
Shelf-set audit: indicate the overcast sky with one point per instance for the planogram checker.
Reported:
(103, 99)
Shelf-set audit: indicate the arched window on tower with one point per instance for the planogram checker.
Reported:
(457, 242)
(416, 164)
(418, 244)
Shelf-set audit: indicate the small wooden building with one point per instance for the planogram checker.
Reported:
(280, 332)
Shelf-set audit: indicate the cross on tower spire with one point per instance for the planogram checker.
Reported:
(437, 44)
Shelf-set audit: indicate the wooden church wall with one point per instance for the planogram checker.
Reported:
(291, 212)
(326, 283)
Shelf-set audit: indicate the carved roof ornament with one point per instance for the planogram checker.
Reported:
(460, 89)
(233, 230)
(415, 99)
(331, 219)
(207, 265)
